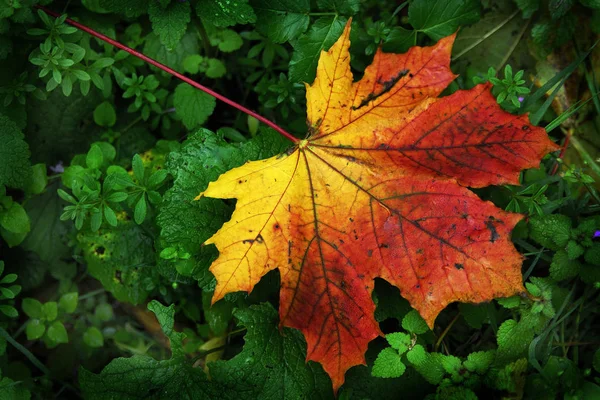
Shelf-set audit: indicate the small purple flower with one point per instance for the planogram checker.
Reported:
(521, 98)
(596, 235)
(58, 168)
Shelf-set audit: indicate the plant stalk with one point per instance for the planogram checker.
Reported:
(172, 72)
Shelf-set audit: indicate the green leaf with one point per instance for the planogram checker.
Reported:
(130, 8)
(480, 361)
(414, 323)
(169, 23)
(528, 7)
(50, 310)
(57, 332)
(441, 18)
(272, 364)
(551, 231)
(201, 159)
(399, 40)
(224, 13)
(343, 7)
(32, 308)
(142, 377)
(172, 58)
(140, 210)
(94, 157)
(192, 106)
(39, 179)
(399, 341)
(104, 312)
(563, 267)
(48, 235)
(559, 8)
(388, 364)
(93, 337)
(15, 219)
(68, 302)
(105, 115)
(35, 329)
(429, 365)
(513, 340)
(216, 68)
(15, 168)
(307, 49)
(218, 315)
(117, 258)
(9, 311)
(281, 20)
(227, 40)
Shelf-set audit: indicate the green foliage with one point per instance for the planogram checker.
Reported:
(102, 157)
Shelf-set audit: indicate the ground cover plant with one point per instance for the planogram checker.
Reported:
(409, 211)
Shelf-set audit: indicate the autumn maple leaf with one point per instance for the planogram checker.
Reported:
(378, 190)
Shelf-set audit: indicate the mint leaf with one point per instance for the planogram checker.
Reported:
(272, 364)
(551, 231)
(15, 219)
(281, 20)
(440, 18)
(169, 23)
(307, 49)
(154, 48)
(188, 223)
(414, 323)
(15, 168)
(563, 267)
(142, 377)
(223, 13)
(192, 105)
(388, 364)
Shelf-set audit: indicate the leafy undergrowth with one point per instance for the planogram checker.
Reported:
(105, 286)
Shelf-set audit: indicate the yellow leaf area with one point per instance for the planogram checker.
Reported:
(378, 190)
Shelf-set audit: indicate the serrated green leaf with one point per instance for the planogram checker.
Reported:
(192, 106)
(551, 231)
(414, 323)
(388, 364)
(399, 341)
(169, 23)
(562, 267)
(271, 365)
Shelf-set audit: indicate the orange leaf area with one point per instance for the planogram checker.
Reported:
(378, 190)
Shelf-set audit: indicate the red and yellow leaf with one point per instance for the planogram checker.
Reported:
(378, 189)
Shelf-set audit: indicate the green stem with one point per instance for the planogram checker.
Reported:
(24, 351)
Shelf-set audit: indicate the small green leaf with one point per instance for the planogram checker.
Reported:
(94, 158)
(68, 302)
(140, 210)
(9, 311)
(93, 337)
(57, 332)
(414, 323)
(441, 18)
(32, 308)
(110, 216)
(388, 364)
(105, 115)
(192, 106)
(15, 219)
(104, 312)
(35, 329)
(138, 167)
(50, 310)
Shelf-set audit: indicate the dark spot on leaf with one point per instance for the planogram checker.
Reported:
(525, 128)
(420, 251)
(387, 85)
(489, 224)
(458, 266)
